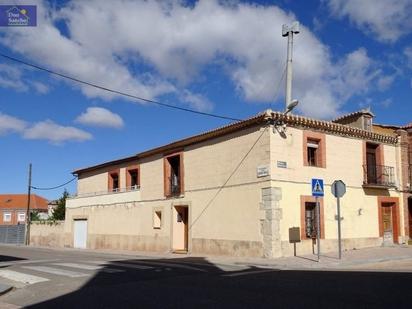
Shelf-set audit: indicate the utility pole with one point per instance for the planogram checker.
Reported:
(289, 31)
(27, 240)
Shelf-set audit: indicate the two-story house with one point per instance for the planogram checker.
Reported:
(405, 143)
(239, 189)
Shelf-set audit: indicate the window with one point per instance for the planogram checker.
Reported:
(173, 172)
(367, 123)
(157, 219)
(313, 156)
(114, 182)
(310, 220)
(7, 217)
(314, 149)
(132, 178)
(21, 217)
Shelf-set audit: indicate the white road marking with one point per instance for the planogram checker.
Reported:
(154, 264)
(56, 271)
(80, 266)
(10, 263)
(90, 267)
(246, 273)
(21, 277)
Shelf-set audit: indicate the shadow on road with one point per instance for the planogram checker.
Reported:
(8, 258)
(194, 282)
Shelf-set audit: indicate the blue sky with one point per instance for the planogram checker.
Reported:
(223, 57)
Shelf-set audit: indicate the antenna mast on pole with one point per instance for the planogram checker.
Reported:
(289, 31)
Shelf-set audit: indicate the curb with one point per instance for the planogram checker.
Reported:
(4, 288)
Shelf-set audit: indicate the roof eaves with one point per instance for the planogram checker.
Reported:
(230, 128)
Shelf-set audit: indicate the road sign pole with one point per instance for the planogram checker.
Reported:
(339, 230)
(318, 226)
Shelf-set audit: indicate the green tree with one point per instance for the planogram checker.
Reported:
(60, 210)
(34, 215)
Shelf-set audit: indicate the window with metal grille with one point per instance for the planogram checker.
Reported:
(310, 220)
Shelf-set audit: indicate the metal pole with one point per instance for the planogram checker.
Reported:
(318, 226)
(288, 95)
(339, 230)
(27, 240)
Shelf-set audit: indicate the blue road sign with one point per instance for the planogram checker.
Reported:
(317, 187)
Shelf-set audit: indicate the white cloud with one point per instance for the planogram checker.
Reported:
(384, 20)
(40, 87)
(11, 77)
(386, 103)
(177, 42)
(9, 124)
(197, 101)
(385, 82)
(408, 53)
(100, 117)
(56, 134)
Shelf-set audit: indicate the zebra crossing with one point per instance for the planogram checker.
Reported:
(24, 275)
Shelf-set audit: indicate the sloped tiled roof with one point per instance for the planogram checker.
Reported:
(19, 201)
(353, 115)
(261, 118)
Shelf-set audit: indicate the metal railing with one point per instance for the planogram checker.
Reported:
(379, 175)
(174, 186)
(114, 191)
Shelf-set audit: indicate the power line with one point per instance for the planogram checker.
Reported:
(116, 91)
(56, 187)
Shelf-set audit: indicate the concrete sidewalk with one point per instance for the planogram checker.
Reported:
(350, 258)
(328, 261)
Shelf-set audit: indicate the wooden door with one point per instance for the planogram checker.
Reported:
(180, 228)
(387, 223)
(410, 216)
(371, 165)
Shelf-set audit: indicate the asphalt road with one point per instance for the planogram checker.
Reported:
(74, 279)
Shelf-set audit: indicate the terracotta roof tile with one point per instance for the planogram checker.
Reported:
(19, 201)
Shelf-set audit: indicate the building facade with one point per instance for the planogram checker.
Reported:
(240, 189)
(13, 207)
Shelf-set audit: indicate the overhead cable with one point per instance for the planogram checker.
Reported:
(116, 91)
(56, 187)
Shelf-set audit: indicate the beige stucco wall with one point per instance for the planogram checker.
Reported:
(47, 234)
(344, 160)
(215, 213)
(231, 219)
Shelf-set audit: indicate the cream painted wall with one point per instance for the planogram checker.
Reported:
(354, 225)
(233, 213)
(215, 213)
(104, 199)
(344, 160)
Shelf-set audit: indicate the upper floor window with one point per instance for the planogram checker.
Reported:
(7, 217)
(313, 152)
(173, 172)
(314, 149)
(132, 178)
(21, 217)
(367, 123)
(114, 182)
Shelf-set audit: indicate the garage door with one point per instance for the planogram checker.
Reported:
(80, 234)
